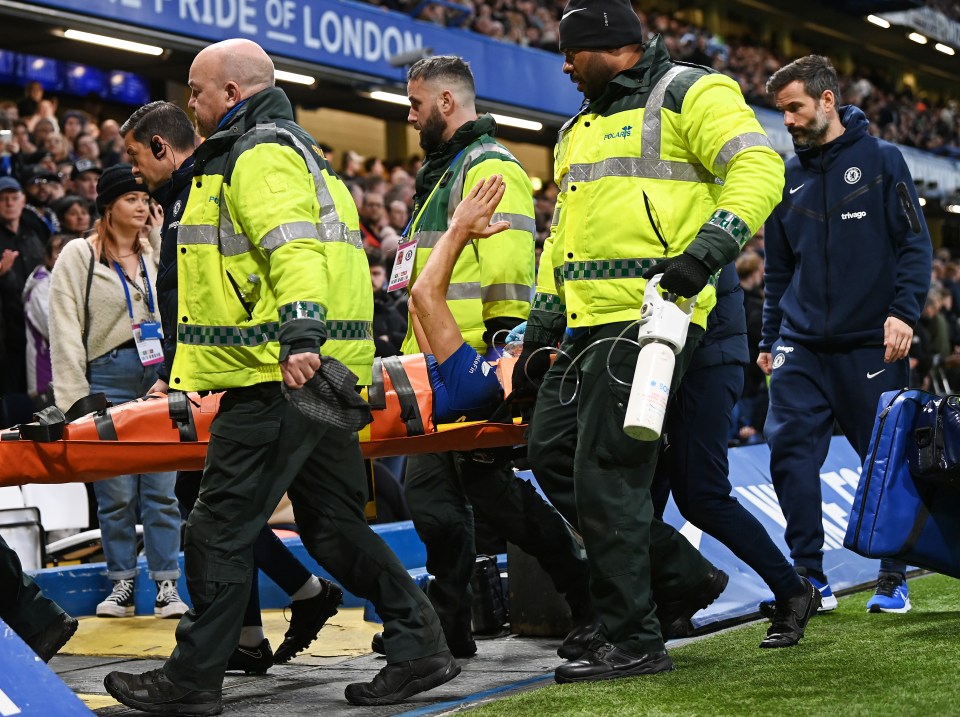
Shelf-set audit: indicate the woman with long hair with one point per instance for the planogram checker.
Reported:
(106, 339)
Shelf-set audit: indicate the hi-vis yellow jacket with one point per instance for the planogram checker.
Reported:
(269, 256)
(669, 159)
(492, 283)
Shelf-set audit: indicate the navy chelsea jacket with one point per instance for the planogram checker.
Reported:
(847, 246)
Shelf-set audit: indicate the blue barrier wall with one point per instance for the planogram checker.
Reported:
(79, 588)
(28, 687)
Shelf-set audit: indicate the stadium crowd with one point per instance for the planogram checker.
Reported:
(898, 115)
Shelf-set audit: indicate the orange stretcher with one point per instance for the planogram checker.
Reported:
(170, 432)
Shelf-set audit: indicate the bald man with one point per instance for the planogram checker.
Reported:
(272, 275)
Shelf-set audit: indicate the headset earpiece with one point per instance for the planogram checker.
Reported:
(156, 146)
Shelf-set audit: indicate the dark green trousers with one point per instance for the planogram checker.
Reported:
(261, 446)
(443, 492)
(599, 479)
(22, 604)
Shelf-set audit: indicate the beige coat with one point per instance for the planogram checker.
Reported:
(110, 324)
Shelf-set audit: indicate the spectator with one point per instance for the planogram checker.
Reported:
(111, 143)
(84, 179)
(398, 215)
(87, 148)
(38, 183)
(352, 167)
(74, 215)
(101, 288)
(42, 129)
(29, 104)
(389, 322)
(36, 304)
(372, 218)
(74, 124)
(23, 236)
(751, 409)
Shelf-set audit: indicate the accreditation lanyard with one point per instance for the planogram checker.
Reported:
(403, 264)
(146, 334)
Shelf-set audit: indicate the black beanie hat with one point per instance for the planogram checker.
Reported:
(599, 25)
(115, 182)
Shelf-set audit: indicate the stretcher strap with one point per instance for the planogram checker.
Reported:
(181, 413)
(376, 395)
(103, 422)
(409, 408)
(94, 403)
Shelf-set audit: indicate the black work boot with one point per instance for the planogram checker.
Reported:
(605, 661)
(153, 692)
(790, 617)
(401, 680)
(307, 617)
(578, 640)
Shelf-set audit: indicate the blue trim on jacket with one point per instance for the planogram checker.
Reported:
(843, 249)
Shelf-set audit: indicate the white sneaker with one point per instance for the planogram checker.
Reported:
(119, 603)
(168, 602)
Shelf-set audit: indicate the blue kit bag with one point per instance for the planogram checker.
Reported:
(896, 514)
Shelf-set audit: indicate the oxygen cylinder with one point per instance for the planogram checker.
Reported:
(650, 392)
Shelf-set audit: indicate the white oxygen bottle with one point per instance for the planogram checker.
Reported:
(663, 331)
(650, 392)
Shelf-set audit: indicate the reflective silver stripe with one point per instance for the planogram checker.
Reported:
(456, 189)
(736, 145)
(427, 240)
(235, 245)
(466, 290)
(328, 210)
(732, 225)
(638, 167)
(197, 234)
(278, 236)
(651, 135)
(520, 222)
(506, 292)
(556, 215)
(339, 232)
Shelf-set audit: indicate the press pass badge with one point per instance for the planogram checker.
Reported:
(403, 265)
(147, 336)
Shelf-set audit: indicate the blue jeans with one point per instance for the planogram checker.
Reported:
(120, 375)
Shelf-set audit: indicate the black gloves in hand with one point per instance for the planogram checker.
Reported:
(530, 369)
(683, 274)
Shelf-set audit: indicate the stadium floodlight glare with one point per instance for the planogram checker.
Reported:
(952, 208)
(917, 38)
(508, 121)
(391, 97)
(294, 77)
(113, 42)
(945, 49)
(923, 201)
(878, 21)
